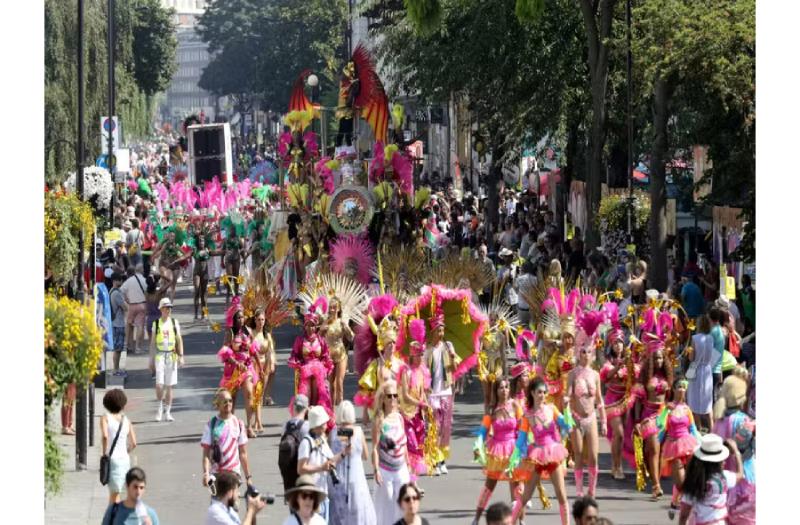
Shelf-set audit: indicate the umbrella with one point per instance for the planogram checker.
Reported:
(463, 321)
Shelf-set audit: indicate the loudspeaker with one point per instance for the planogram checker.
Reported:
(210, 153)
(205, 169)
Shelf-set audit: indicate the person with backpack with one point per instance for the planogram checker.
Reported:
(224, 441)
(132, 509)
(166, 354)
(293, 433)
(133, 291)
(118, 311)
(133, 243)
(118, 439)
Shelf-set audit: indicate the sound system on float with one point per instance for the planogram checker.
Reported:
(210, 153)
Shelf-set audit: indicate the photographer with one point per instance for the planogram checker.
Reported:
(314, 456)
(224, 510)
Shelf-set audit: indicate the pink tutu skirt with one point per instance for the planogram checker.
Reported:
(497, 455)
(649, 424)
(681, 448)
(545, 458)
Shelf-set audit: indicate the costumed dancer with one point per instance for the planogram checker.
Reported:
(732, 422)
(558, 331)
(495, 443)
(265, 347)
(234, 322)
(201, 255)
(586, 402)
(170, 256)
(234, 250)
(618, 374)
(546, 453)
(656, 378)
(336, 329)
(241, 361)
(312, 362)
(374, 338)
(441, 359)
(492, 358)
(678, 441)
(414, 384)
(520, 379)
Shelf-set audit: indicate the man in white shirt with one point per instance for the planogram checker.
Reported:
(166, 354)
(224, 441)
(223, 509)
(133, 290)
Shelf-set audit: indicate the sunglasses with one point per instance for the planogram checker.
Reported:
(307, 495)
(409, 499)
(392, 396)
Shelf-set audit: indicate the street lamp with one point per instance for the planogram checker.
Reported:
(312, 80)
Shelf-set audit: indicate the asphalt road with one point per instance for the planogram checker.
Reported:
(170, 453)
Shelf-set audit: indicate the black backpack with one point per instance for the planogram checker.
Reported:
(287, 453)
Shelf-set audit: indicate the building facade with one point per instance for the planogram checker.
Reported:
(184, 96)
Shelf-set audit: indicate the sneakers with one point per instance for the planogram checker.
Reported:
(168, 416)
(529, 505)
(437, 471)
(121, 373)
(160, 412)
(443, 468)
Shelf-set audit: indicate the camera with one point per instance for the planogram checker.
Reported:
(345, 432)
(267, 498)
(334, 476)
(212, 487)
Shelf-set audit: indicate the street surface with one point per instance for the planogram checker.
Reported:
(170, 453)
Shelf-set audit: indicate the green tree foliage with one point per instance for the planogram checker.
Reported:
(144, 52)
(261, 46)
(697, 65)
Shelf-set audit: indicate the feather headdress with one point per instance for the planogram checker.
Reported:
(351, 295)
(262, 292)
(235, 306)
(365, 341)
(416, 327)
(353, 250)
(611, 310)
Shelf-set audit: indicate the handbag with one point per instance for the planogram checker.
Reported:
(105, 459)
(691, 372)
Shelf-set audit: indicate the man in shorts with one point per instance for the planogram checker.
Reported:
(133, 289)
(166, 354)
(118, 313)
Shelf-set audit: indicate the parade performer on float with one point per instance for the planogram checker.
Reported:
(679, 439)
(586, 401)
(545, 453)
(495, 443)
(311, 360)
(732, 422)
(240, 370)
(361, 93)
(414, 384)
(618, 374)
(656, 378)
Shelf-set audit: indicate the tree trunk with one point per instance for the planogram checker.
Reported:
(657, 273)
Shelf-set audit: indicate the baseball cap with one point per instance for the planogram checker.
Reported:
(300, 402)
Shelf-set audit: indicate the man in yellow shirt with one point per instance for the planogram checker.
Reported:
(166, 354)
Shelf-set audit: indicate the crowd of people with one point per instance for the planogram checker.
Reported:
(568, 347)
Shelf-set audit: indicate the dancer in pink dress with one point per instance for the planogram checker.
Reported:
(240, 370)
(678, 441)
(312, 362)
(495, 442)
(545, 454)
(414, 383)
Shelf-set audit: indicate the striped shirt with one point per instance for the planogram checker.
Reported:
(392, 444)
(230, 435)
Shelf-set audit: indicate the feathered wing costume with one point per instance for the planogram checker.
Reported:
(500, 332)
(361, 92)
(311, 360)
(378, 330)
(351, 294)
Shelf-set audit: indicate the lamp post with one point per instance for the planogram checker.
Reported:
(313, 82)
(630, 123)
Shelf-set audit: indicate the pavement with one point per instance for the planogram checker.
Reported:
(170, 453)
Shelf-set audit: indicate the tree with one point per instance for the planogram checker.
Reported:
(705, 52)
(259, 47)
(520, 82)
(135, 102)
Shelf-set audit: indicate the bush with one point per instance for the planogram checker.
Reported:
(64, 218)
(612, 221)
(53, 463)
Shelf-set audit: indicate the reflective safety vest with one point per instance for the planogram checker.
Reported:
(166, 334)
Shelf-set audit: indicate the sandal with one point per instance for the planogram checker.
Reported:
(657, 493)
(67, 431)
(270, 402)
(673, 508)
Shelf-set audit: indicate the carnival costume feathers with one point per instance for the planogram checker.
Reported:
(353, 255)
(351, 294)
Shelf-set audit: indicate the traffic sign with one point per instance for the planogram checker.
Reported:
(109, 126)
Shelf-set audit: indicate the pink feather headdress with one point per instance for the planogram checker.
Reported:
(611, 310)
(656, 328)
(365, 343)
(525, 341)
(236, 306)
(417, 330)
(588, 322)
(316, 311)
(353, 249)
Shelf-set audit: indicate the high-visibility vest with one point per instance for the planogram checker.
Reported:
(166, 334)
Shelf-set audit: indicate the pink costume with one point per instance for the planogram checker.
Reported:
(310, 359)
(232, 376)
(617, 405)
(654, 413)
(583, 390)
(546, 452)
(500, 443)
(679, 437)
(741, 428)
(418, 380)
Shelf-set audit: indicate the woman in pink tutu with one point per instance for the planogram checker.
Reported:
(241, 362)
(312, 362)
(678, 441)
(545, 454)
(414, 383)
(495, 442)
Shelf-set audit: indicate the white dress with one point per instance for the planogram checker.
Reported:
(700, 393)
(351, 503)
